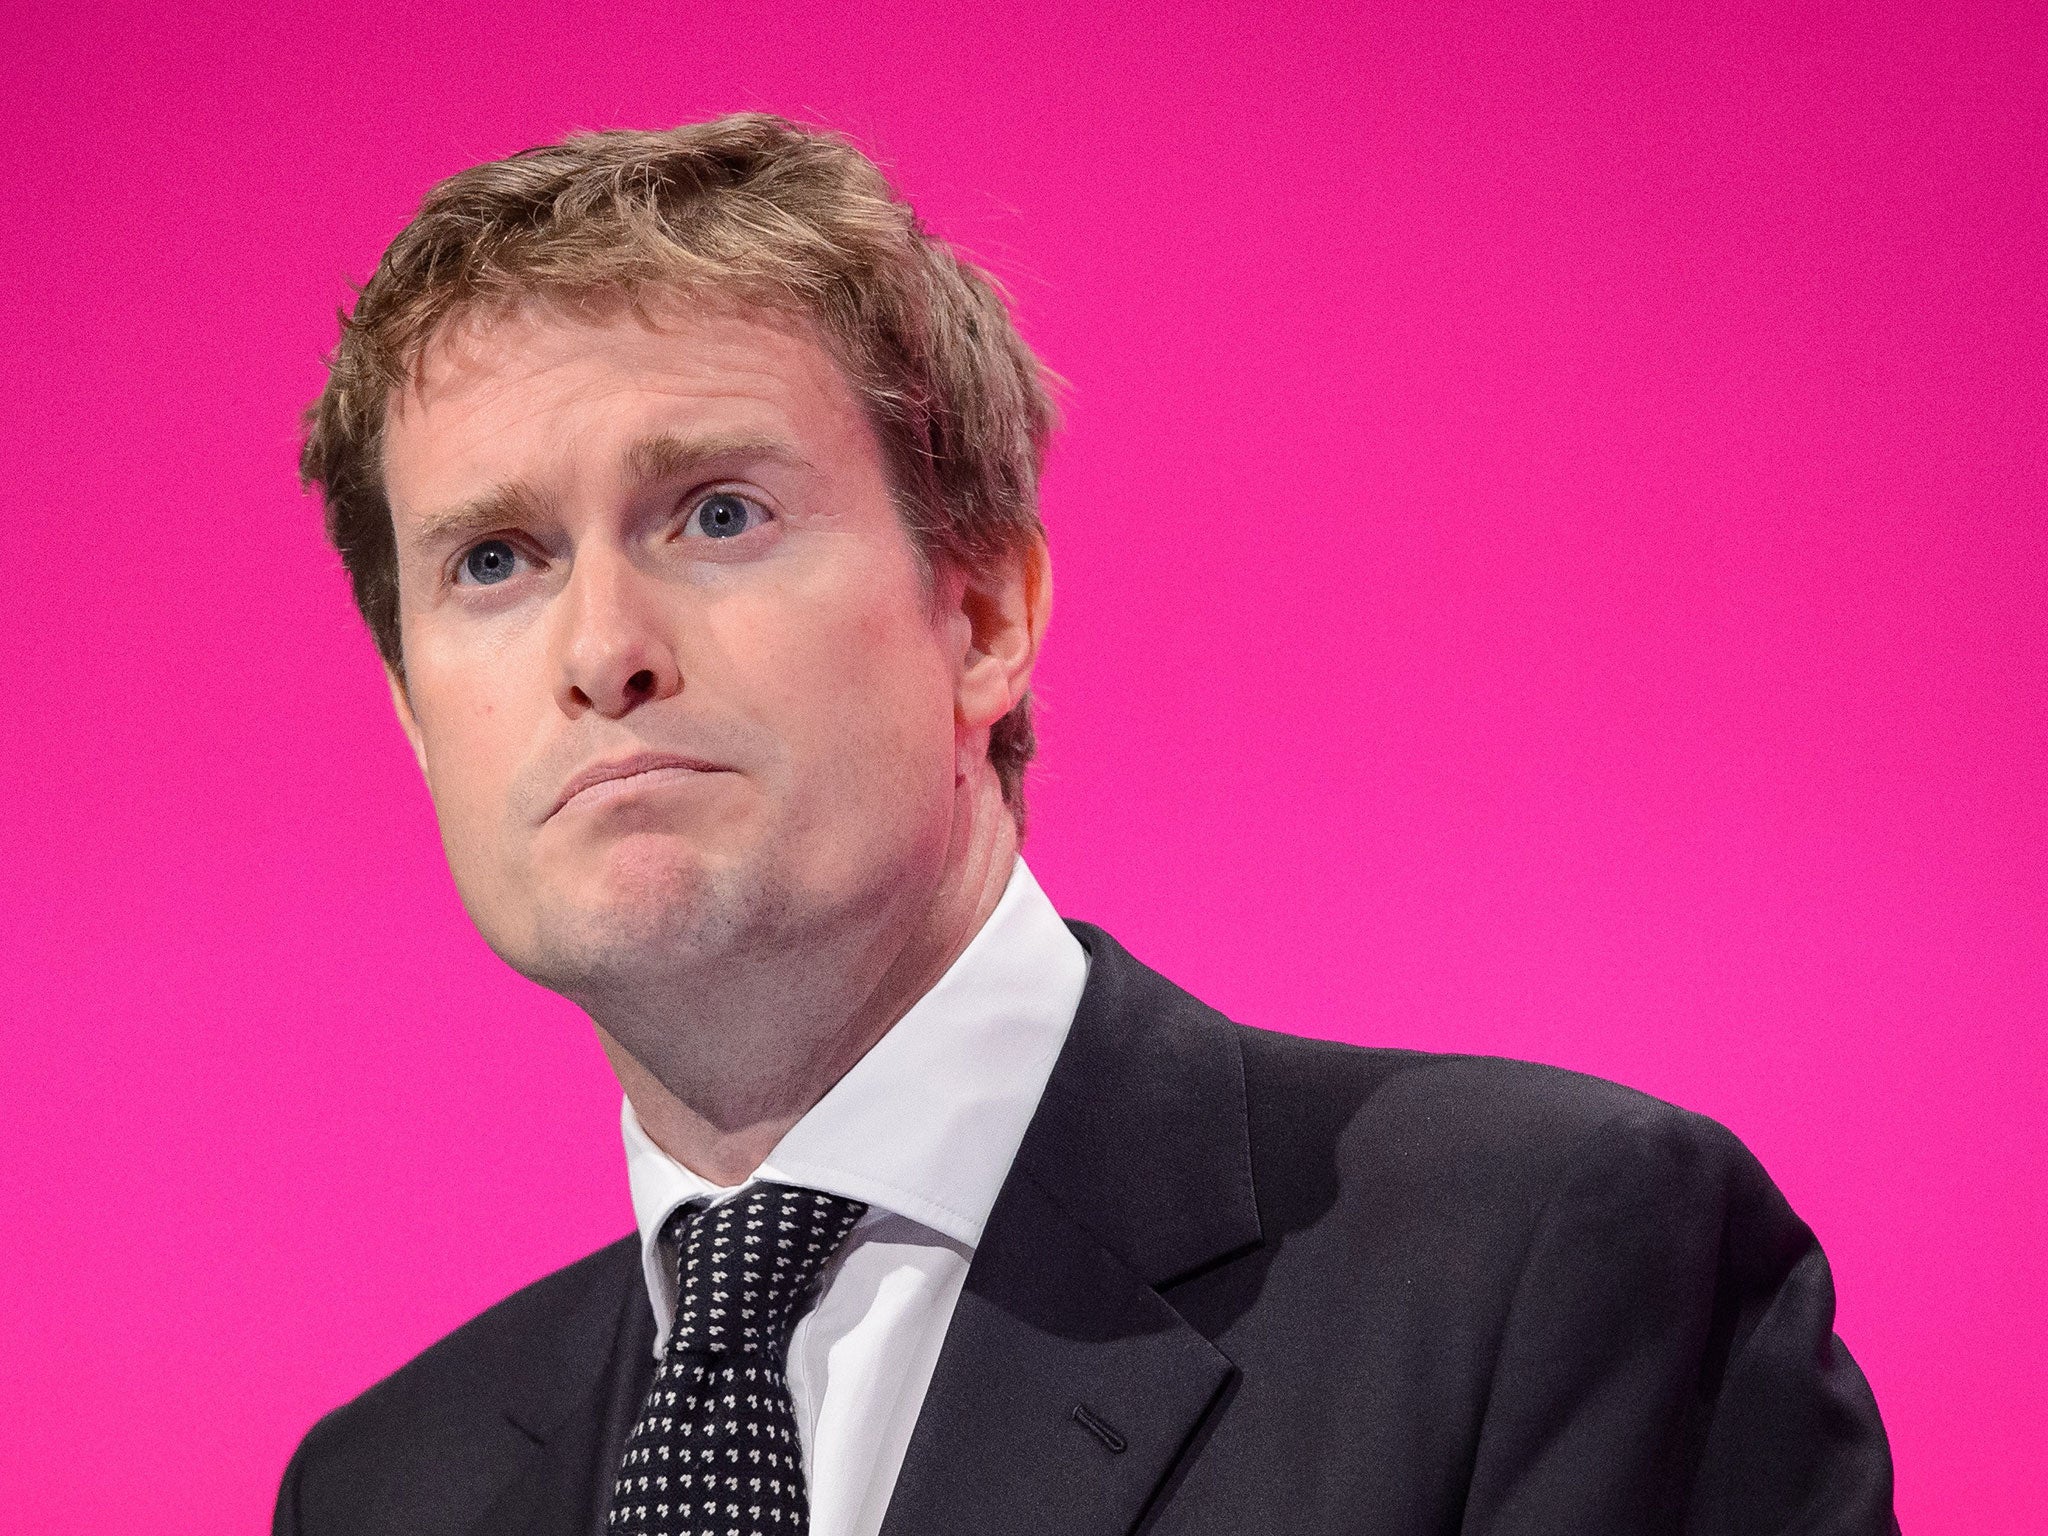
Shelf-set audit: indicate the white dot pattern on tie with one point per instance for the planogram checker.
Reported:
(715, 1451)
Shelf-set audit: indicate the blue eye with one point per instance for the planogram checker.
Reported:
(490, 562)
(724, 515)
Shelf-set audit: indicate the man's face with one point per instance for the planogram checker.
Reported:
(676, 679)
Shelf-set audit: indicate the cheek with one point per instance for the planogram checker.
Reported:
(868, 694)
(471, 756)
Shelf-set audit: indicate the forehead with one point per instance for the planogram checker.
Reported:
(545, 389)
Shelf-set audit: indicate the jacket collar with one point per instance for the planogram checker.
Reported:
(1142, 1133)
(1068, 1387)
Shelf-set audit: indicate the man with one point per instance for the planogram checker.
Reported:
(689, 490)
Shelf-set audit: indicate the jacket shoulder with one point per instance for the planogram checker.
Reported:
(1463, 1129)
(1358, 1138)
(1554, 1101)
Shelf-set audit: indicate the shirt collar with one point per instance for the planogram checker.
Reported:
(926, 1124)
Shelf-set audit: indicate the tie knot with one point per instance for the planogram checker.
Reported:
(746, 1269)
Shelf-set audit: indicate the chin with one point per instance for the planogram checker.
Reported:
(647, 918)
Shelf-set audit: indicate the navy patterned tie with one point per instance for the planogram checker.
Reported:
(715, 1452)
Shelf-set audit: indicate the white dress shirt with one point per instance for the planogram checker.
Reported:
(923, 1129)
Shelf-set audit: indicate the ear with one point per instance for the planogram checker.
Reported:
(401, 704)
(1001, 620)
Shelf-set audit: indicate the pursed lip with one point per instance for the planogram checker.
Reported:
(628, 768)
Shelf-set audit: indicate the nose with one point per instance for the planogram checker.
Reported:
(615, 647)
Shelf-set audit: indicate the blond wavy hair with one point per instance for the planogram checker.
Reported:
(751, 208)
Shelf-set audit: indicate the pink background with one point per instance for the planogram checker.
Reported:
(1550, 542)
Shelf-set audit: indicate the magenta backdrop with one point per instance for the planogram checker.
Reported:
(1551, 553)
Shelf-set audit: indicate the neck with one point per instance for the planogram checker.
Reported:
(762, 1043)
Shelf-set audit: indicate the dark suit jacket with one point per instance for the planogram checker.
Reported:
(1238, 1282)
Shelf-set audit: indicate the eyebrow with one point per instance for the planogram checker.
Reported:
(512, 502)
(667, 456)
(650, 461)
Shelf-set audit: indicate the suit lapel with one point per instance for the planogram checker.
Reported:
(573, 1408)
(1068, 1387)
(554, 1492)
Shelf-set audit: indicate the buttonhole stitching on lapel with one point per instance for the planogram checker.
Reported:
(1099, 1429)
